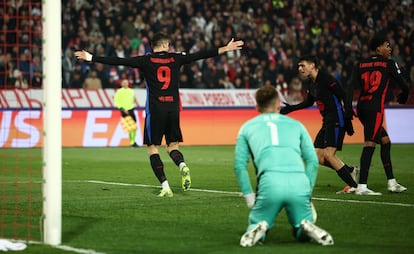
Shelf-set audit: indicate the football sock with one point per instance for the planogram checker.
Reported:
(365, 162)
(132, 135)
(350, 169)
(158, 167)
(344, 174)
(362, 186)
(386, 160)
(392, 181)
(165, 185)
(177, 157)
(182, 164)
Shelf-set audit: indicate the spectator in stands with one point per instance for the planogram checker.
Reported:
(238, 83)
(271, 73)
(295, 95)
(102, 72)
(20, 80)
(127, 27)
(199, 83)
(185, 81)
(77, 80)
(124, 76)
(36, 72)
(144, 47)
(68, 64)
(226, 83)
(257, 80)
(10, 75)
(281, 85)
(92, 82)
(23, 65)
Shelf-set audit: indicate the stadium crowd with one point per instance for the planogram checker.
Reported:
(276, 34)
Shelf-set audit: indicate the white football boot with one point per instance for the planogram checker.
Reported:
(251, 237)
(316, 233)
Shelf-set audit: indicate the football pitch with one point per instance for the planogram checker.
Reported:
(110, 205)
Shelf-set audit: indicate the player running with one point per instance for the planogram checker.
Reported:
(372, 76)
(161, 70)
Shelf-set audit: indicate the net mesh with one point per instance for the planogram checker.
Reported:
(20, 164)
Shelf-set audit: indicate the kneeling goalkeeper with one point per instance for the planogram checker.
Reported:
(286, 167)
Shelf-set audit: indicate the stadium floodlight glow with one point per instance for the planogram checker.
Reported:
(52, 122)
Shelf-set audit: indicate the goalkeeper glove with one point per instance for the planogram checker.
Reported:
(402, 97)
(250, 199)
(286, 109)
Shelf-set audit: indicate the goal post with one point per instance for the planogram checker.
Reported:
(52, 122)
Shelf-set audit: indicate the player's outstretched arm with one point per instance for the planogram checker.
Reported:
(232, 45)
(83, 55)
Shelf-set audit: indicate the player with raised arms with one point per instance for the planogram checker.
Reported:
(161, 70)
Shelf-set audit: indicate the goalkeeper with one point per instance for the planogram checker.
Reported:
(286, 166)
(125, 100)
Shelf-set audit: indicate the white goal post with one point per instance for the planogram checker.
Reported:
(52, 122)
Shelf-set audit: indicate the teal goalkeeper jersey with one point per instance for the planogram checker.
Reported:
(277, 143)
(124, 98)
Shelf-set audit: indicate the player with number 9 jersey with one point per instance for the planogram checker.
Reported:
(161, 70)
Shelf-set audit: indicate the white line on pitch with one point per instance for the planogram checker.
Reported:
(67, 248)
(77, 250)
(363, 201)
(240, 194)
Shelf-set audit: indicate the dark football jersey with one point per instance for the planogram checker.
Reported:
(328, 95)
(372, 76)
(162, 73)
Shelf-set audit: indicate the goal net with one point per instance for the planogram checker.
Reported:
(21, 165)
(30, 150)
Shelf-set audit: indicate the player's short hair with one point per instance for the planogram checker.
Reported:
(376, 41)
(158, 39)
(266, 96)
(310, 59)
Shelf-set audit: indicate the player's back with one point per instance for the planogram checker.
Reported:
(161, 71)
(374, 75)
(275, 142)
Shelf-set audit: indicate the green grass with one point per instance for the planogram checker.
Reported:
(130, 218)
